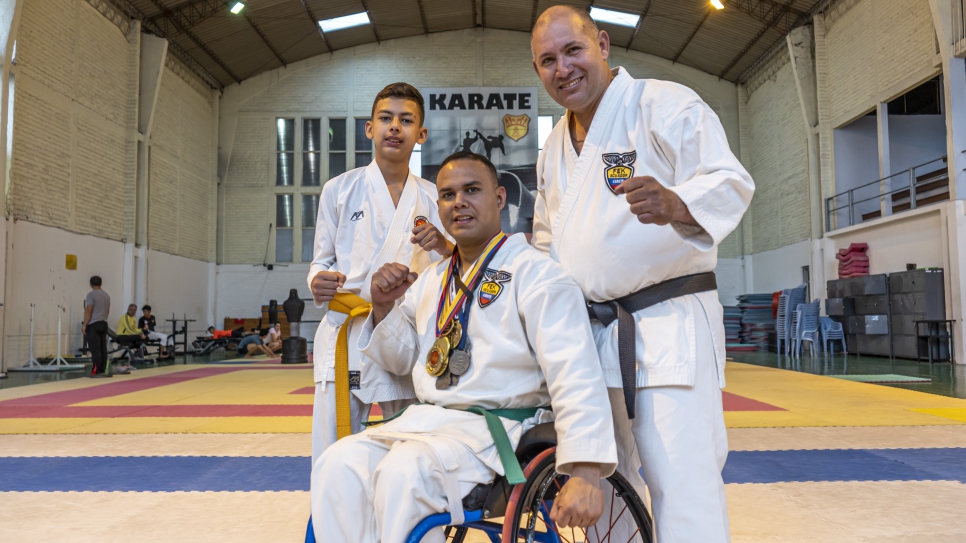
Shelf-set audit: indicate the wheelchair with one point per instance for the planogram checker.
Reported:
(526, 507)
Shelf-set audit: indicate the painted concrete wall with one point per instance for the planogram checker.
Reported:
(243, 289)
(916, 139)
(36, 267)
(178, 285)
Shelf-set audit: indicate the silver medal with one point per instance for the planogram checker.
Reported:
(459, 361)
(442, 382)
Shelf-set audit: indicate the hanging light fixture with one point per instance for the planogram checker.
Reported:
(236, 7)
(717, 4)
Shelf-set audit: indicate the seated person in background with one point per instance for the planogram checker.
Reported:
(252, 344)
(274, 342)
(128, 326)
(511, 337)
(147, 323)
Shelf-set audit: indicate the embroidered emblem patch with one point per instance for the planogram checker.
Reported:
(355, 380)
(420, 220)
(516, 126)
(621, 168)
(492, 285)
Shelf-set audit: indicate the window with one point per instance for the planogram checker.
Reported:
(311, 152)
(283, 227)
(544, 128)
(310, 212)
(285, 150)
(363, 144)
(337, 148)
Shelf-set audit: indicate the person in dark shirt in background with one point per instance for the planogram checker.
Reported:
(97, 307)
(146, 323)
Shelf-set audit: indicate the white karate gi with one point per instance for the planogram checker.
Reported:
(580, 222)
(357, 232)
(530, 345)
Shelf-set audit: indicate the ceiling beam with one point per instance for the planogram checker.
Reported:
(483, 12)
(315, 22)
(640, 21)
(677, 55)
(533, 15)
(422, 16)
(769, 25)
(265, 40)
(782, 16)
(185, 15)
(372, 24)
(180, 25)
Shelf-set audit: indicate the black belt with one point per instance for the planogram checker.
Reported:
(622, 310)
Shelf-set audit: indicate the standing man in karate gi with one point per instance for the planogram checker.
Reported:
(637, 186)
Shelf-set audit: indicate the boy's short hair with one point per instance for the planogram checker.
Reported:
(470, 155)
(96, 281)
(146, 308)
(404, 91)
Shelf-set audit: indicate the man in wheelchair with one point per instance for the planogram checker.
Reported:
(492, 338)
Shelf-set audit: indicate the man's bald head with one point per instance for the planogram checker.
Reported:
(581, 18)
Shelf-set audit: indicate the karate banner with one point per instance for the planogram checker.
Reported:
(497, 122)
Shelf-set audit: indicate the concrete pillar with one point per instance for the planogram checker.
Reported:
(954, 106)
(885, 162)
(9, 22)
(800, 45)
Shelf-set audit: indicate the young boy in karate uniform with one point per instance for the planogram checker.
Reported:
(368, 217)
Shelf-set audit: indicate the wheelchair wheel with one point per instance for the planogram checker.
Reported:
(625, 518)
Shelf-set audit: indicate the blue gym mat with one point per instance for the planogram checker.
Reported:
(291, 473)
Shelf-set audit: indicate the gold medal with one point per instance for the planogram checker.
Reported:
(438, 358)
(455, 333)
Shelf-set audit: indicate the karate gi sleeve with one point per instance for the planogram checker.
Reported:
(326, 227)
(559, 333)
(542, 235)
(708, 177)
(393, 344)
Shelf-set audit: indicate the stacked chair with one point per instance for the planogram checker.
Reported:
(832, 331)
(786, 322)
(807, 327)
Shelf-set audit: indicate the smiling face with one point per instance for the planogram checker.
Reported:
(470, 201)
(395, 129)
(570, 59)
(132, 310)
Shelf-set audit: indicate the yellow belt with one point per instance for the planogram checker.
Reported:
(352, 306)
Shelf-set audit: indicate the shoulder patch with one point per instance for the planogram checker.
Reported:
(492, 285)
(621, 168)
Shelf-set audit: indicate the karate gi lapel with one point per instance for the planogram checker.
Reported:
(596, 136)
(399, 226)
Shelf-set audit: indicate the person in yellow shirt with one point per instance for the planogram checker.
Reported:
(128, 325)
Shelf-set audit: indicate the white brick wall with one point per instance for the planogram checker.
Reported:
(71, 104)
(180, 172)
(774, 149)
(343, 85)
(873, 49)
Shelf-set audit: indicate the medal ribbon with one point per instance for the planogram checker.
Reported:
(448, 307)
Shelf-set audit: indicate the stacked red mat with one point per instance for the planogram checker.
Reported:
(853, 262)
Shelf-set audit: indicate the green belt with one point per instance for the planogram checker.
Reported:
(508, 457)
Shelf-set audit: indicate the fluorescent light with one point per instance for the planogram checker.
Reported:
(717, 4)
(614, 17)
(237, 7)
(347, 21)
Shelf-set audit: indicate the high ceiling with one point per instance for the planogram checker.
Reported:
(226, 48)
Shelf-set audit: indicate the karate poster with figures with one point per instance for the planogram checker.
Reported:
(497, 122)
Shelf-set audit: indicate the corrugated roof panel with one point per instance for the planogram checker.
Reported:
(396, 18)
(329, 9)
(350, 37)
(668, 25)
(722, 37)
(443, 15)
(509, 14)
(285, 25)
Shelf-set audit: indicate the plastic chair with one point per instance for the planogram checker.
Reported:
(809, 327)
(832, 330)
(782, 322)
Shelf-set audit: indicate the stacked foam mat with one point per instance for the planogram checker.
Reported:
(732, 323)
(917, 295)
(757, 319)
(853, 262)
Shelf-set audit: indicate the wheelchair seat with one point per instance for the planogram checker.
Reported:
(492, 497)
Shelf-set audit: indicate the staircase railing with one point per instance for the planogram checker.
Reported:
(920, 185)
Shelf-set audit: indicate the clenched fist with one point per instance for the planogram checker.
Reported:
(430, 238)
(325, 284)
(580, 502)
(653, 203)
(389, 283)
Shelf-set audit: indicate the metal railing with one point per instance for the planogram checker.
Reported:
(880, 197)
